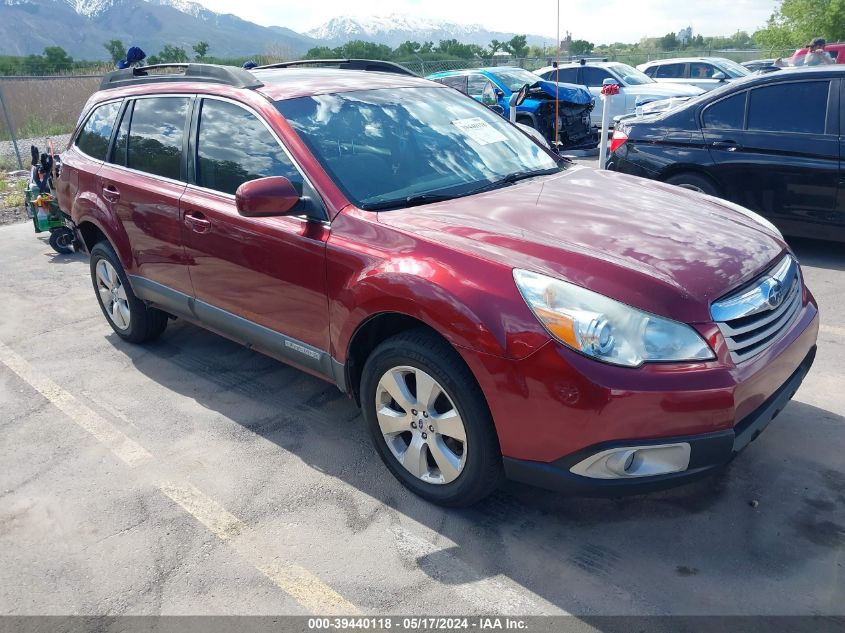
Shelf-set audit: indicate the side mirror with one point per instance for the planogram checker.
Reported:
(275, 195)
(522, 95)
(719, 76)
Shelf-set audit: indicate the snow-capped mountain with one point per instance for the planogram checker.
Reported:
(81, 27)
(396, 28)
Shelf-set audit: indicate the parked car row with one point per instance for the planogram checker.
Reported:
(773, 143)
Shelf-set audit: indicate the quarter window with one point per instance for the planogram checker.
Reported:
(156, 135)
(727, 114)
(789, 107)
(96, 134)
(235, 147)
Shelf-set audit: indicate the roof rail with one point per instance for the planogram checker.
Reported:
(375, 65)
(204, 73)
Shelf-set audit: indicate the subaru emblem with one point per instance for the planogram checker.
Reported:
(775, 297)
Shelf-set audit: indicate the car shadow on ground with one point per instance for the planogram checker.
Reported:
(775, 512)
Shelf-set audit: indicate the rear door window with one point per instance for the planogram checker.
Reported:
(156, 136)
(727, 114)
(798, 107)
(95, 135)
(670, 71)
(234, 146)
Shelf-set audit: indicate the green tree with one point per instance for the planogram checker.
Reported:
(200, 48)
(321, 52)
(517, 46)
(581, 47)
(495, 46)
(359, 49)
(56, 59)
(407, 49)
(172, 55)
(669, 42)
(796, 22)
(116, 50)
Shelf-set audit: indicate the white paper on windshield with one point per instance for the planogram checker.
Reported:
(479, 130)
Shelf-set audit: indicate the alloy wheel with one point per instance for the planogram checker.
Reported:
(421, 425)
(113, 295)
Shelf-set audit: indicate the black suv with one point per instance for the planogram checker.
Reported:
(772, 143)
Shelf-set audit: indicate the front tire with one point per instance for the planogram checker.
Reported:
(429, 420)
(128, 316)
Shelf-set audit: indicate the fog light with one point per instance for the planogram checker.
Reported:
(635, 461)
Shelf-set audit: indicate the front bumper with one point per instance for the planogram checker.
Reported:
(709, 451)
(554, 408)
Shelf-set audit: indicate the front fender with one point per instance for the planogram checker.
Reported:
(465, 314)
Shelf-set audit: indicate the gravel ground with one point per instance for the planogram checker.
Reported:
(7, 150)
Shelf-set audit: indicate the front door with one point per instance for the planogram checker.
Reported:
(261, 281)
(774, 153)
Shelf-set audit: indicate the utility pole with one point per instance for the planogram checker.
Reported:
(11, 128)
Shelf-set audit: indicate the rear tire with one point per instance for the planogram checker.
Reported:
(128, 316)
(694, 182)
(436, 435)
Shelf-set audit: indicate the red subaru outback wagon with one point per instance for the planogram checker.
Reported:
(495, 310)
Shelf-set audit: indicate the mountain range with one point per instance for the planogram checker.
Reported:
(81, 27)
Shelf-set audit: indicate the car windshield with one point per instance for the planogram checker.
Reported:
(732, 69)
(515, 78)
(630, 76)
(397, 147)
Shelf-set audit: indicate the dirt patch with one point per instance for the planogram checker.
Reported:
(12, 206)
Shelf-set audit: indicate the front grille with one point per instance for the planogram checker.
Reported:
(755, 317)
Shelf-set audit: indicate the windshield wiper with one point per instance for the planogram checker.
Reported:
(410, 201)
(512, 178)
(428, 198)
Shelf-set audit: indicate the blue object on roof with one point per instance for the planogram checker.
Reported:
(135, 55)
(122, 64)
(250, 64)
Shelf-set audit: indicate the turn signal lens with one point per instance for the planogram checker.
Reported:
(618, 140)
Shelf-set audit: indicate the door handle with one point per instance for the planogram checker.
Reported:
(110, 193)
(727, 146)
(197, 222)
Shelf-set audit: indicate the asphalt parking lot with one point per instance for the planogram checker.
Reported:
(193, 476)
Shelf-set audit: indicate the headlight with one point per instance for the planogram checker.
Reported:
(606, 329)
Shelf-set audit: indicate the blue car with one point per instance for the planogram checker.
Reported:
(494, 87)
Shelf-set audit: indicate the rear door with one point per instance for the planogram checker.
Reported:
(142, 182)
(261, 281)
(776, 151)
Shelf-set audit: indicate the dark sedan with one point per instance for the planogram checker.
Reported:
(772, 143)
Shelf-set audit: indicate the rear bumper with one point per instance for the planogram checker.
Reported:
(709, 452)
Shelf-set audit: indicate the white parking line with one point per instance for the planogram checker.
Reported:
(306, 588)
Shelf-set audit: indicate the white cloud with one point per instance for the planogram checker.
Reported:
(603, 21)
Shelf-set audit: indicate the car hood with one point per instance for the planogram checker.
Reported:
(663, 249)
(570, 93)
(665, 90)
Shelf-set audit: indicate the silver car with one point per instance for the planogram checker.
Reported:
(702, 72)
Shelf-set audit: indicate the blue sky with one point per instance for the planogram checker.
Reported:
(599, 21)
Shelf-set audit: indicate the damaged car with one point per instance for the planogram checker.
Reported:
(495, 86)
